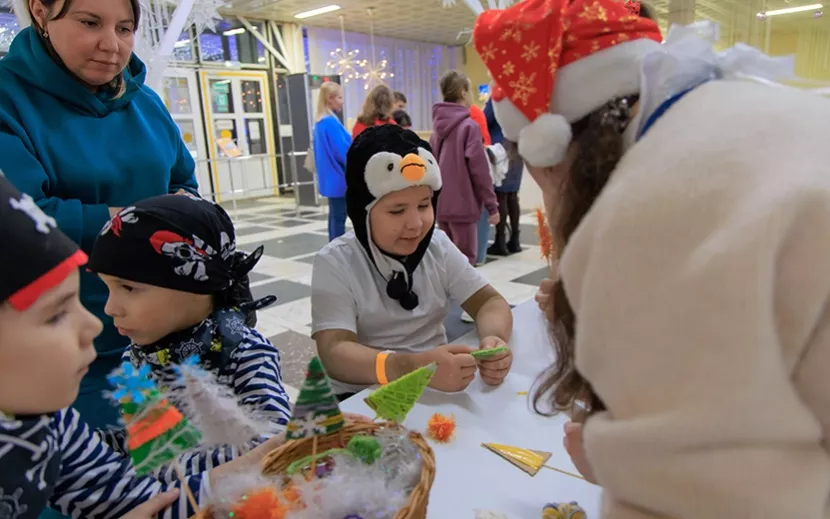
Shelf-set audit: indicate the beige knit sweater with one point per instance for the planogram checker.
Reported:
(701, 281)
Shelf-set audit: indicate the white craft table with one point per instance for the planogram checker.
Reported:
(468, 476)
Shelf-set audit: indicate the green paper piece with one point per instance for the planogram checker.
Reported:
(365, 448)
(149, 449)
(486, 354)
(316, 411)
(396, 399)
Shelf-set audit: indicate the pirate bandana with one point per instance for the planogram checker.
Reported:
(176, 242)
(382, 160)
(36, 256)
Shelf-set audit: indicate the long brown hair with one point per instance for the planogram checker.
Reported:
(117, 85)
(378, 105)
(454, 86)
(599, 147)
(598, 143)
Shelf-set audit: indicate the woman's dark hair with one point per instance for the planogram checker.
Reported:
(402, 119)
(117, 85)
(378, 105)
(647, 12)
(598, 148)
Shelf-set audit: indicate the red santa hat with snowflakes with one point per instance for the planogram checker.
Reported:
(555, 61)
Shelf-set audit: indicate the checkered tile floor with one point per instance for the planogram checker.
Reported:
(292, 237)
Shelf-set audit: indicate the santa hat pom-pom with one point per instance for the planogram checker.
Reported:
(545, 141)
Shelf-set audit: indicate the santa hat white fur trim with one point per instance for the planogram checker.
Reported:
(545, 141)
(586, 84)
(580, 88)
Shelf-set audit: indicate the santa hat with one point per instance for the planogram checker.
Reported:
(555, 61)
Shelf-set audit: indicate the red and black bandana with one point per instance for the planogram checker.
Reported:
(173, 241)
(36, 256)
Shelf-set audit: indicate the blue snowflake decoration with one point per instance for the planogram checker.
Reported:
(193, 362)
(131, 384)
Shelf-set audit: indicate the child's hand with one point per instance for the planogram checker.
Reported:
(152, 507)
(544, 294)
(576, 450)
(456, 367)
(494, 369)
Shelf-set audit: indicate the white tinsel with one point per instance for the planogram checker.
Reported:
(213, 408)
(486, 514)
(352, 488)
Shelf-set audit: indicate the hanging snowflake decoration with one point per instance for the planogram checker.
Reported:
(205, 14)
(374, 73)
(344, 63)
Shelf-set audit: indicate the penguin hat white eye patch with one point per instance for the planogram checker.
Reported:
(387, 172)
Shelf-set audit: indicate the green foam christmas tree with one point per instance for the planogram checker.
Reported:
(316, 411)
(157, 433)
(396, 399)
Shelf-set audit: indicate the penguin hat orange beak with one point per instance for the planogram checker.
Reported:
(413, 167)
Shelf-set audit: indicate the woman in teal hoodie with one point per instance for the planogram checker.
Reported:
(83, 136)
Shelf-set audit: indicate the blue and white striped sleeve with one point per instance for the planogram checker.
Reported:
(257, 380)
(95, 482)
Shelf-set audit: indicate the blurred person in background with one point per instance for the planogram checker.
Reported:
(331, 142)
(377, 110)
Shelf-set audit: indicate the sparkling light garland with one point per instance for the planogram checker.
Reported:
(344, 62)
(375, 71)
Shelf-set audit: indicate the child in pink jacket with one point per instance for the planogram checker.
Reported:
(467, 187)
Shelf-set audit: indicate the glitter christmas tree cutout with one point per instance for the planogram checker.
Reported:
(396, 399)
(316, 411)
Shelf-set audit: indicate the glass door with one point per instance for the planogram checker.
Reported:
(181, 96)
(241, 133)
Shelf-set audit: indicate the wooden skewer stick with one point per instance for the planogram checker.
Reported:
(186, 488)
(564, 472)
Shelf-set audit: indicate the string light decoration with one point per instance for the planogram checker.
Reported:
(374, 71)
(344, 62)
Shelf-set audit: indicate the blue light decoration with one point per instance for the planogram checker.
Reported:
(131, 384)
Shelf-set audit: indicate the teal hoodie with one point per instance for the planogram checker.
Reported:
(78, 153)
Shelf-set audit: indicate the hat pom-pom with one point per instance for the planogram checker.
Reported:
(545, 141)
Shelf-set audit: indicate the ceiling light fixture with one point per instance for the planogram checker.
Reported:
(234, 32)
(790, 10)
(318, 11)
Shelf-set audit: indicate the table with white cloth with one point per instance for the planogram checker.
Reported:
(470, 477)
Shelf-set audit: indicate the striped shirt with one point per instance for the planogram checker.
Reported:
(253, 373)
(91, 480)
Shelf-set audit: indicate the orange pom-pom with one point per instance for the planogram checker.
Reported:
(261, 504)
(441, 428)
(545, 237)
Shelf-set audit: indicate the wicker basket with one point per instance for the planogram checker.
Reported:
(279, 459)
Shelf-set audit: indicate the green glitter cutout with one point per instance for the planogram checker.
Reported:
(486, 354)
(396, 399)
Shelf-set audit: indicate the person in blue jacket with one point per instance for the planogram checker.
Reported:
(83, 136)
(507, 194)
(331, 142)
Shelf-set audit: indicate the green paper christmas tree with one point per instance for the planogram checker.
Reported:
(316, 411)
(157, 433)
(394, 400)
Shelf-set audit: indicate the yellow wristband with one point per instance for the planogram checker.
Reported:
(380, 368)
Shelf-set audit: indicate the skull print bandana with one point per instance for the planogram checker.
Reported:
(30, 445)
(173, 241)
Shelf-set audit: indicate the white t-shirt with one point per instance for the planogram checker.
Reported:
(348, 293)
